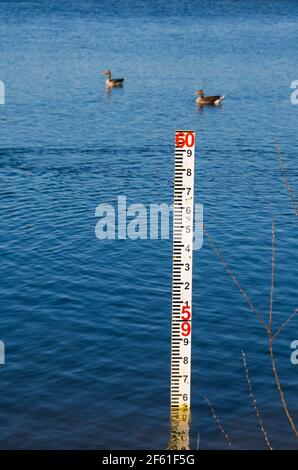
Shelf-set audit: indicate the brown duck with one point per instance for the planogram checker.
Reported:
(113, 82)
(203, 100)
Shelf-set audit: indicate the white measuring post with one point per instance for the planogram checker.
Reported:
(182, 275)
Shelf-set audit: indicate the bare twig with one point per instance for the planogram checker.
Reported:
(285, 324)
(280, 389)
(268, 328)
(286, 180)
(270, 334)
(254, 402)
(216, 419)
(235, 280)
(272, 275)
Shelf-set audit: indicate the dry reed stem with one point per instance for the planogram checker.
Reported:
(268, 328)
(254, 402)
(216, 419)
(286, 180)
(272, 275)
(271, 336)
(285, 324)
(235, 280)
(280, 389)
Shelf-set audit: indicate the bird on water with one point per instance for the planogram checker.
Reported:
(203, 100)
(113, 82)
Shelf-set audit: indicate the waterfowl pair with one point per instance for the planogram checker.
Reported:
(113, 82)
(203, 100)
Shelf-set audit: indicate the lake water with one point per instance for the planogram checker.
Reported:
(86, 323)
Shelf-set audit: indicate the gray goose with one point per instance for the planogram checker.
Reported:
(113, 82)
(203, 100)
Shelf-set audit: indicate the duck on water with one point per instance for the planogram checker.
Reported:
(113, 82)
(203, 100)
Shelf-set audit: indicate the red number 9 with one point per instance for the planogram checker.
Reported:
(185, 327)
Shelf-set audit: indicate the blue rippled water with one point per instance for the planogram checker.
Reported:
(86, 323)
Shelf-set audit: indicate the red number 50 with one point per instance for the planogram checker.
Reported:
(185, 140)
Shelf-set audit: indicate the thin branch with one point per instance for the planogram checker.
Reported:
(285, 324)
(286, 181)
(254, 402)
(268, 328)
(272, 276)
(235, 280)
(280, 389)
(216, 419)
(270, 334)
